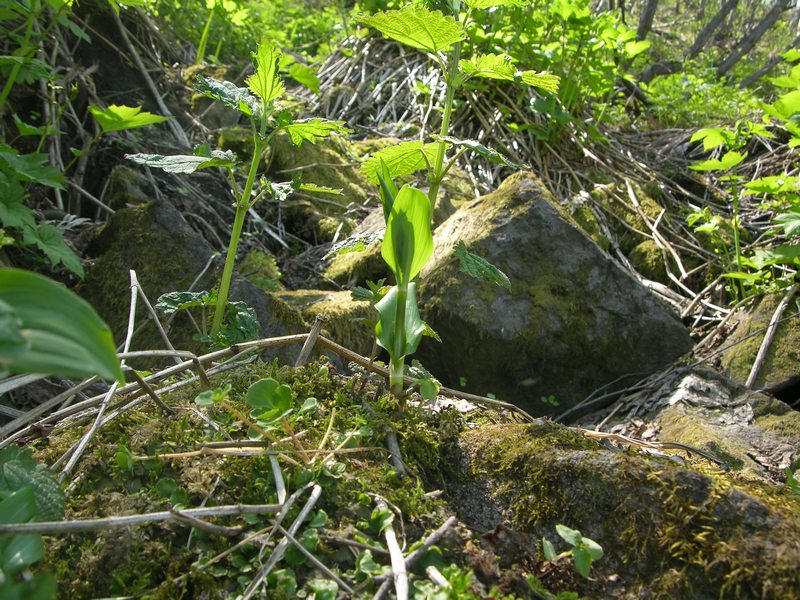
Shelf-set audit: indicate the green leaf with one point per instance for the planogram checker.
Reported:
(271, 400)
(727, 161)
(774, 184)
(119, 117)
(583, 561)
(356, 243)
(266, 82)
(324, 589)
(484, 151)
(30, 130)
(549, 550)
(414, 327)
(790, 221)
(417, 27)
(32, 168)
(49, 240)
(636, 47)
(712, 137)
(228, 94)
(12, 342)
(312, 130)
(483, 4)
(305, 75)
(792, 482)
(594, 549)
(240, 325)
(785, 107)
(500, 66)
(571, 536)
(429, 389)
(19, 470)
(171, 302)
(408, 241)
(184, 163)
(403, 159)
(20, 552)
(791, 55)
(65, 334)
(543, 81)
(479, 268)
(780, 255)
(319, 189)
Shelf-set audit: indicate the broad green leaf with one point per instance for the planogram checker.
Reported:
(583, 561)
(49, 240)
(484, 151)
(18, 507)
(312, 130)
(727, 161)
(266, 82)
(479, 268)
(594, 549)
(413, 327)
(319, 189)
(240, 325)
(790, 221)
(119, 117)
(403, 159)
(791, 55)
(29, 130)
(712, 137)
(408, 241)
(30, 167)
(324, 589)
(784, 81)
(785, 107)
(543, 81)
(271, 399)
(788, 254)
(185, 163)
(12, 342)
(774, 184)
(13, 213)
(571, 536)
(305, 75)
(548, 549)
(429, 389)
(636, 47)
(228, 94)
(18, 469)
(490, 66)
(388, 190)
(65, 334)
(171, 302)
(20, 552)
(417, 27)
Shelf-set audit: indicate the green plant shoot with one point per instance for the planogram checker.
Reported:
(584, 550)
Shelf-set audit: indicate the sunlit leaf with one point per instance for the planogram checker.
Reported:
(356, 243)
(403, 159)
(727, 161)
(500, 66)
(413, 326)
(486, 152)
(266, 82)
(305, 75)
(417, 27)
(571, 536)
(408, 241)
(185, 163)
(480, 268)
(482, 4)
(229, 94)
(120, 117)
(790, 221)
(636, 47)
(312, 130)
(549, 550)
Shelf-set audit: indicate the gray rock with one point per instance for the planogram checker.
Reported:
(572, 322)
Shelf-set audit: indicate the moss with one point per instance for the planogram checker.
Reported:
(261, 269)
(648, 259)
(126, 188)
(238, 139)
(354, 268)
(787, 425)
(783, 354)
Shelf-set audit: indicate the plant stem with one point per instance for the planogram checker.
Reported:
(242, 206)
(25, 50)
(397, 362)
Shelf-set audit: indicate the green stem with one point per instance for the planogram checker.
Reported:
(25, 51)
(201, 46)
(242, 206)
(397, 361)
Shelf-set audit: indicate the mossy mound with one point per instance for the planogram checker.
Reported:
(781, 366)
(667, 532)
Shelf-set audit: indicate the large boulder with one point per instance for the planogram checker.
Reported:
(572, 322)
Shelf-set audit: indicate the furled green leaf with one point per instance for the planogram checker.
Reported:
(408, 241)
(480, 268)
(240, 325)
(387, 189)
(119, 117)
(571, 536)
(266, 82)
(185, 163)
(228, 94)
(312, 130)
(18, 469)
(414, 327)
(49, 240)
(727, 161)
(305, 75)
(270, 399)
(30, 167)
(417, 27)
(484, 151)
(403, 159)
(65, 334)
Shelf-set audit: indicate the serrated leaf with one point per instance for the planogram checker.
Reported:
(66, 335)
(30, 167)
(18, 469)
(49, 240)
(356, 243)
(229, 94)
(312, 130)
(240, 325)
(478, 267)
(305, 75)
(725, 162)
(185, 163)
(543, 81)
(403, 159)
(790, 221)
(408, 241)
(266, 82)
(119, 117)
(171, 302)
(490, 66)
(417, 27)
(785, 107)
(484, 151)
(13, 213)
(773, 184)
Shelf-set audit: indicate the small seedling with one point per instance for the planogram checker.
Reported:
(584, 551)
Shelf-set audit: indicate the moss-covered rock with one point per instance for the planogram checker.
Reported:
(668, 532)
(573, 320)
(647, 258)
(126, 188)
(781, 366)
